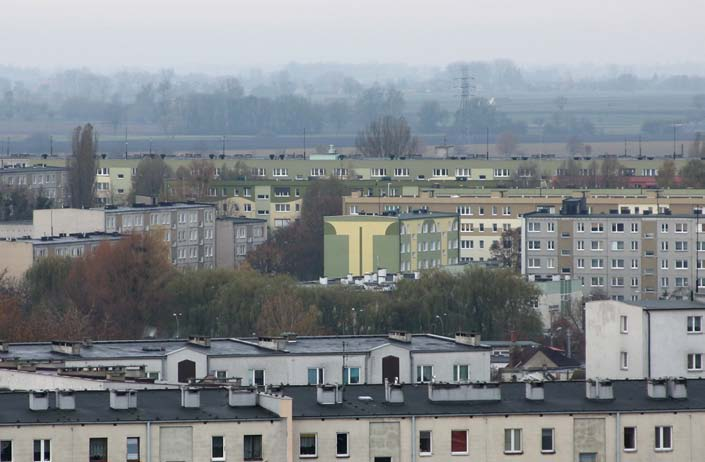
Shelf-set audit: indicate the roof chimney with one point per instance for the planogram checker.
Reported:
(677, 388)
(478, 391)
(272, 343)
(66, 347)
(4, 346)
(400, 336)
(123, 399)
(328, 394)
(38, 400)
(199, 340)
(65, 400)
(534, 391)
(465, 338)
(393, 392)
(599, 389)
(242, 397)
(190, 397)
(657, 388)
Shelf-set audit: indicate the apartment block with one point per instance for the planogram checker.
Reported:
(628, 256)
(235, 238)
(593, 421)
(187, 228)
(18, 255)
(359, 244)
(49, 182)
(295, 360)
(644, 339)
(485, 213)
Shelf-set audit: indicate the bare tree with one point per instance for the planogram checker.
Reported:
(507, 251)
(386, 137)
(151, 177)
(83, 167)
(507, 143)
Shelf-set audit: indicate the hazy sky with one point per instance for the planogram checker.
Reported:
(220, 35)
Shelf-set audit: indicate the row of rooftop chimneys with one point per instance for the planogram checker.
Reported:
(330, 394)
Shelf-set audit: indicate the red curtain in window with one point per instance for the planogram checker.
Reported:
(458, 441)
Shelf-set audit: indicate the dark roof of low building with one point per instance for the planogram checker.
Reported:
(242, 220)
(657, 305)
(557, 357)
(152, 405)
(559, 397)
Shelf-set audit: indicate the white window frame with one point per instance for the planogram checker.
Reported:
(347, 444)
(635, 440)
(691, 326)
(661, 431)
(467, 442)
(553, 441)
(515, 446)
(315, 445)
(430, 443)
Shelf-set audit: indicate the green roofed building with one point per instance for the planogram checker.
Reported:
(359, 244)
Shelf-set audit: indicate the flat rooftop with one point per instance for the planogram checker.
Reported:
(71, 239)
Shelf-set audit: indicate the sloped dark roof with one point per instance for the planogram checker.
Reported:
(555, 355)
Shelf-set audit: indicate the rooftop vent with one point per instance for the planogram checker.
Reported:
(123, 399)
(65, 400)
(4, 346)
(677, 388)
(329, 394)
(467, 338)
(65, 347)
(534, 391)
(242, 397)
(199, 340)
(657, 388)
(272, 343)
(400, 336)
(464, 392)
(190, 397)
(599, 389)
(393, 392)
(38, 400)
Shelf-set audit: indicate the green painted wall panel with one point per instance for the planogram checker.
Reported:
(335, 256)
(386, 252)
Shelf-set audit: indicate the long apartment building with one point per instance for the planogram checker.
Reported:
(293, 360)
(593, 421)
(485, 213)
(49, 182)
(187, 228)
(644, 339)
(18, 255)
(627, 255)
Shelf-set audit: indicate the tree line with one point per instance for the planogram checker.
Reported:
(137, 290)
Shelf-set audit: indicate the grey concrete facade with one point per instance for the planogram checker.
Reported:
(235, 238)
(49, 182)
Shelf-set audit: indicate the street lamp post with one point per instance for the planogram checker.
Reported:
(443, 326)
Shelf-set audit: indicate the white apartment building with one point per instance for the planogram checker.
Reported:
(397, 357)
(644, 339)
(623, 421)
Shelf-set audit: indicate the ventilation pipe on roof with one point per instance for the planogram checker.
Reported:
(400, 336)
(657, 388)
(242, 397)
(38, 400)
(328, 394)
(677, 388)
(190, 397)
(534, 391)
(65, 400)
(467, 338)
(123, 399)
(393, 392)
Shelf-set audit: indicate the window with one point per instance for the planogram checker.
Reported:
(318, 171)
(258, 377)
(98, 449)
(401, 172)
(133, 449)
(681, 264)
(316, 376)
(617, 245)
(547, 441)
(462, 172)
(512, 440)
(341, 445)
(252, 447)
(623, 324)
(635, 245)
(461, 373)
(440, 172)
(597, 263)
(501, 172)
(664, 227)
(534, 263)
(351, 375)
(681, 246)
(581, 263)
(280, 172)
(42, 450)
(623, 360)
(425, 443)
(635, 263)
(662, 438)
(617, 263)
(681, 227)
(695, 324)
(534, 245)
(378, 172)
(617, 227)
(597, 227)
(308, 446)
(629, 439)
(580, 227)
(681, 282)
(635, 227)
(534, 227)
(424, 374)
(551, 245)
(459, 442)
(695, 362)
(217, 448)
(5, 451)
(595, 245)
(580, 245)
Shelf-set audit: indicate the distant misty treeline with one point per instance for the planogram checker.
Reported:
(318, 98)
